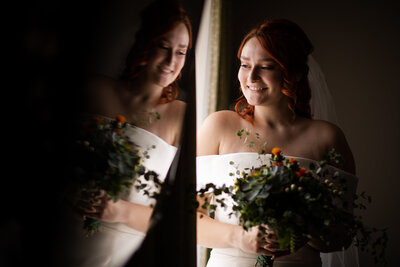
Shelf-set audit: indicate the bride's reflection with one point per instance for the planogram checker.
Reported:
(146, 95)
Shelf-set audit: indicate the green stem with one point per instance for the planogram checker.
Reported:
(91, 226)
(264, 261)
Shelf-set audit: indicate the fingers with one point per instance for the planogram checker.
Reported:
(89, 211)
(264, 252)
(95, 197)
(269, 245)
(271, 237)
(273, 250)
(93, 203)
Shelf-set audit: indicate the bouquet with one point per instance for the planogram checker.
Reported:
(103, 159)
(296, 203)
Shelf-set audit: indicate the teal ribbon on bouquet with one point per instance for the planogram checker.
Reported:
(264, 261)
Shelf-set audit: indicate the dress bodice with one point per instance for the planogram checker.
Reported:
(218, 169)
(160, 156)
(115, 243)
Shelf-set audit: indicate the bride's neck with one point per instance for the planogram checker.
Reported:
(273, 116)
(143, 94)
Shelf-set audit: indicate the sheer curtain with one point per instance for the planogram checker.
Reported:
(207, 60)
(207, 75)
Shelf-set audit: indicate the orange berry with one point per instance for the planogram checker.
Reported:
(276, 151)
(121, 118)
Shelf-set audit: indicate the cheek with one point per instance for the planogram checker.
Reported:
(157, 55)
(181, 63)
(241, 77)
(152, 60)
(277, 78)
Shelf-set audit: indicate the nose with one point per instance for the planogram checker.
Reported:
(170, 58)
(253, 75)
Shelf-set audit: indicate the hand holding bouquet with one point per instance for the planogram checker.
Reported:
(296, 203)
(104, 164)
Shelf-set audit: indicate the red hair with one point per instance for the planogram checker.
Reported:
(159, 18)
(289, 47)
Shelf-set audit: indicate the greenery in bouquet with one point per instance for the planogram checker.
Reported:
(103, 158)
(296, 203)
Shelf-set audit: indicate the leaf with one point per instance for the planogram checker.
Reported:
(252, 195)
(240, 133)
(312, 166)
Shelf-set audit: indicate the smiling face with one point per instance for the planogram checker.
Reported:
(168, 56)
(259, 75)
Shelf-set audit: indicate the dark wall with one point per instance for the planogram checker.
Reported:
(44, 54)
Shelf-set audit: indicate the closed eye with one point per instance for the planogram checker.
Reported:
(181, 53)
(267, 67)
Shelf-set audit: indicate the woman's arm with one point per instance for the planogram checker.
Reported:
(101, 207)
(133, 215)
(215, 234)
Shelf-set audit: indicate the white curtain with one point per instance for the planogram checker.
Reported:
(207, 65)
(207, 60)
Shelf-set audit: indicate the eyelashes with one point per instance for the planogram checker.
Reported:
(168, 48)
(245, 66)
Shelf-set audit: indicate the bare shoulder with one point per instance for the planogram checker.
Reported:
(328, 133)
(212, 130)
(222, 119)
(219, 122)
(331, 136)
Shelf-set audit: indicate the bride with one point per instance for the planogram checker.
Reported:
(146, 90)
(275, 107)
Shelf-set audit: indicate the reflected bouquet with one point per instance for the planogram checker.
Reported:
(296, 203)
(103, 158)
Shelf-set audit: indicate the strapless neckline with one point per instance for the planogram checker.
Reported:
(268, 155)
(138, 128)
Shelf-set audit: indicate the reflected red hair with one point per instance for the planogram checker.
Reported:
(289, 47)
(157, 19)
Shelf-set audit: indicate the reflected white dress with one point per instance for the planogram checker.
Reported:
(215, 169)
(115, 243)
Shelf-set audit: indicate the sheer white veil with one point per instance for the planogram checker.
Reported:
(322, 105)
(323, 108)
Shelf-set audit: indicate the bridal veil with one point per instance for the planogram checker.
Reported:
(323, 108)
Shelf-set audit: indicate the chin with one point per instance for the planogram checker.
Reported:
(164, 82)
(253, 102)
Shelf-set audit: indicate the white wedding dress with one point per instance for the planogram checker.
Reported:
(216, 169)
(115, 243)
